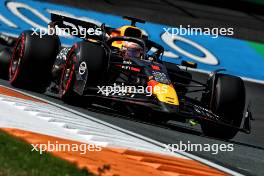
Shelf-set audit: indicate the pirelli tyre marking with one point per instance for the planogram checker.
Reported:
(82, 68)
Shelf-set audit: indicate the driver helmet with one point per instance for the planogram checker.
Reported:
(131, 50)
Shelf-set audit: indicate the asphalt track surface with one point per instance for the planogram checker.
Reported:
(248, 154)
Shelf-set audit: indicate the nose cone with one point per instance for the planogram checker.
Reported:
(164, 93)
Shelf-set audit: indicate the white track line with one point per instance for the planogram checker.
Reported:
(92, 132)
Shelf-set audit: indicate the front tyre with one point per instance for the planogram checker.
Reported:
(68, 77)
(94, 57)
(227, 100)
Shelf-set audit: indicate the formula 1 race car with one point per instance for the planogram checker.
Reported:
(122, 69)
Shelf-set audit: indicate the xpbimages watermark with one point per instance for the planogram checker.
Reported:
(214, 32)
(123, 90)
(61, 147)
(192, 147)
(75, 31)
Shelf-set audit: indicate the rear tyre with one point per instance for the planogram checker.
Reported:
(228, 101)
(5, 56)
(32, 60)
(95, 60)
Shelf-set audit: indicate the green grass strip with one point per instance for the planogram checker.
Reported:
(17, 159)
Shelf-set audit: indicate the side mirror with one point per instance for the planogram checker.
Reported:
(189, 64)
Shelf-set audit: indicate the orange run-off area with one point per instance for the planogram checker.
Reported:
(123, 162)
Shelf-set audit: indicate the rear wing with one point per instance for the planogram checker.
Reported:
(77, 28)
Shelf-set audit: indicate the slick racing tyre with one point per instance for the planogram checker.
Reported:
(5, 56)
(92, 58)
(32, 60)
(227, 100)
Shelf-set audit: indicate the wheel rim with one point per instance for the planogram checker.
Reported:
(16, 58)
(67, 74)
